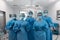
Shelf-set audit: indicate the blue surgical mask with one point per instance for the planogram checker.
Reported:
(13, 18)
(21, 18)
(40, 17)
(45, 15)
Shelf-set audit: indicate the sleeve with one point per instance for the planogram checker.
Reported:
(35, 27)
(9, 25)
(51, 23)
(16, 27)
(27, 19)
(45, 27)
(27, 27)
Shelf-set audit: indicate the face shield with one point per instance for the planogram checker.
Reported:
(39, 15)
(22, 16)
(14, 16)
(45, 13)
(30, 14)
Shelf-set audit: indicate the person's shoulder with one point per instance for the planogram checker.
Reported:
(36, 21)
(32, 18)
(25, 22)
(44, 21)
(48, 16)
(27, 18)
(17, 21)
(10, 21)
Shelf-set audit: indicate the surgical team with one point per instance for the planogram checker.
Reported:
(30, 28)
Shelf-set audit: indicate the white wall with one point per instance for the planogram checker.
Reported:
(5, 7)
(53, 11)
(16, 9)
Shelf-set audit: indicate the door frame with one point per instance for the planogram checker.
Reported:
(4, 23)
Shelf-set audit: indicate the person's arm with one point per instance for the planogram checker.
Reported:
(45, 27)
(52, 27)
(27, 27)
(16, 28)
(35, 27)
(8, 25)
(51, 23)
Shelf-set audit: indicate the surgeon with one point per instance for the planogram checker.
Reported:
(49, 21)
(31, 21)
(9, 27)
(40, 28)
(20, 27)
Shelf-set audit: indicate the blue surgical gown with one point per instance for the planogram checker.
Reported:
(30, 33)
(50, 24)
(19, 27)
(41, 30)
(9, 26)
(49, 21)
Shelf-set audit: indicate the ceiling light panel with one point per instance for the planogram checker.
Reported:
(9, 0)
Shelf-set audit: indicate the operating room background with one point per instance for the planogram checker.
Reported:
(15, 7)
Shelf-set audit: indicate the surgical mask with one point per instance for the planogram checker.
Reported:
(45, 14)
(21, 18)
(40, 18)
(13, 18)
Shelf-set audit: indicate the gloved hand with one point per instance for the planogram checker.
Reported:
(51, 28)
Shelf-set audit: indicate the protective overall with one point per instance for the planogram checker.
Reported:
(9, 26)
(48, 31)
(40, 30)
(19, 27)
(48, 19)
(31, 21)
(50, 23)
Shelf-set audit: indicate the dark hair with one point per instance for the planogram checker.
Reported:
(14, 15)
(30, 12)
